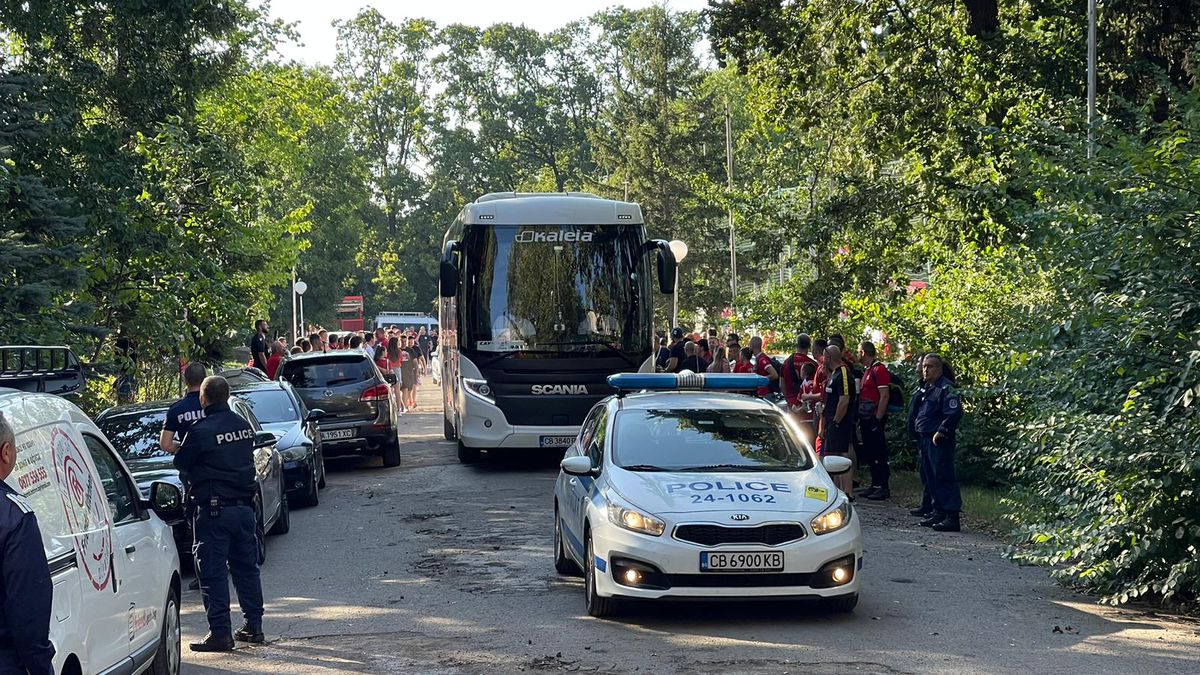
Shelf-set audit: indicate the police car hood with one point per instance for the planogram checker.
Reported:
(807, 492)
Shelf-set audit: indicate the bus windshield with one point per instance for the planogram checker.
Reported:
(550, 288)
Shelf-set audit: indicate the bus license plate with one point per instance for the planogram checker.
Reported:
(741, 561)
(556, 441)
(337, 434)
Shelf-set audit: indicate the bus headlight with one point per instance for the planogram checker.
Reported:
(480, 388)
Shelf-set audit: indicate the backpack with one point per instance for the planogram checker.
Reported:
(895, 392)
(776, 385)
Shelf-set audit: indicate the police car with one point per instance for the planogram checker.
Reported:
(687, 489)
(112, 559)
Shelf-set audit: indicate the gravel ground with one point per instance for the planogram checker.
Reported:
(435, 567)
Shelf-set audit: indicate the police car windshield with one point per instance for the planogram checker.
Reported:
(271, 405)
(706, 440)
(135, 436)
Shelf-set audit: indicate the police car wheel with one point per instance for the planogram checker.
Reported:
(596, 606)
(841, 604)
(467, 455)
(562, 561)
(168, 657)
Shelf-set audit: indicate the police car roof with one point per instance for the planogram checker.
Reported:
(693, 399)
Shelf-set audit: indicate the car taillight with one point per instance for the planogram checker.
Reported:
(380, 392)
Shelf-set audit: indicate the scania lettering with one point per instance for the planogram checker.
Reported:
(558, 389)
(543, 296)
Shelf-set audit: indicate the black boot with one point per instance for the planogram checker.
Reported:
(880, 493)
(922, 512)
(212, 643)
(949, 523)
(934, 519)
(248, 633)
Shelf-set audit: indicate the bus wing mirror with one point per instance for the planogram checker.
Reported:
(448, 274)
(666, 266)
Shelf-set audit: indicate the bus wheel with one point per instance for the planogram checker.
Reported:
(448, 429)
(467, 455)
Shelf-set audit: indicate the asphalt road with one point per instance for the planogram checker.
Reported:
(435, 567)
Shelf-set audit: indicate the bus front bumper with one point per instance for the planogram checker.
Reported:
(484, 426)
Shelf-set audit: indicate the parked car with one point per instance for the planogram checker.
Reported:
(134, 429)
(360, 414)
(114, 568)
(281, 412)
(238, 377)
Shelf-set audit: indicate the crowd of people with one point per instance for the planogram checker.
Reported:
(405, 353)
(841, 399)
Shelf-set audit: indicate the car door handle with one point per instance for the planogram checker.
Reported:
(131, 548)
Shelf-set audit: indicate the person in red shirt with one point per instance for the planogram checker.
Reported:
(816, 397)
(277, 352)
(791, 378)
(872, 419)
(762, 364)
(745, 362)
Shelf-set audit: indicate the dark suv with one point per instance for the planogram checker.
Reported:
(360, 415)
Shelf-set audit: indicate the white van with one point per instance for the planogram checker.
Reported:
(112, 558)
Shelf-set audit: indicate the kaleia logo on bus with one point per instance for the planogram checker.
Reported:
(553, 236)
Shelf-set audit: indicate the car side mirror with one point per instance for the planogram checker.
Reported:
(577, 466)
(316, 415)
(390, 378)
(835, 464)
(167, 501)
(448, 272)
(264, 438)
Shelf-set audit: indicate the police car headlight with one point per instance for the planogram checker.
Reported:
(626, 516)
(833, 519)
(480, 388)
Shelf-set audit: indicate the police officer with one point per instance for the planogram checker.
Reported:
(218, 457)
(933, 419)
(185, 412)
(26, 591)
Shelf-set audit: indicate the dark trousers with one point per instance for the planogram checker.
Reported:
(874, 450)
(226, 546)
(937, 473)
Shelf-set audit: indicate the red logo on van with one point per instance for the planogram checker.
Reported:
(85, 506)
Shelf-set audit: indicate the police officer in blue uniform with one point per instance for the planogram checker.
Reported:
(26, 592)
(933, 419)
(186, 411)
(218, 458)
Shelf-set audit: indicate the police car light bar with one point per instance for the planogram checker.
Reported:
(685, 381)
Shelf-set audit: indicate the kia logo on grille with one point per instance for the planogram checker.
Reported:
(740, 517)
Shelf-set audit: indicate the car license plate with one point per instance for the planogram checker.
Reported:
(556, 441)
(337, 434)
(741, 561)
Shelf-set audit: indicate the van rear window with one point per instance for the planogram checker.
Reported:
(336, 372)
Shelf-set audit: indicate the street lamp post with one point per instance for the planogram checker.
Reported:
(1091, 79)
(300, 288)
(729, 178)
(680, 251)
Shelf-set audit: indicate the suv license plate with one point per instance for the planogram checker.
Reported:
(741, 561)
(337, 434)
(556, 441)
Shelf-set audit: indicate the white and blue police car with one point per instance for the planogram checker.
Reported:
(679, 487)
